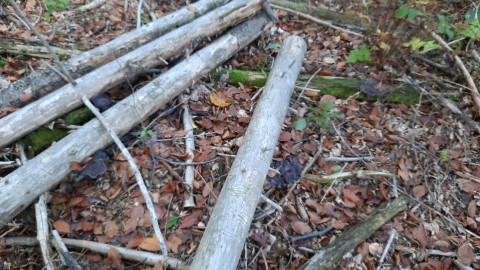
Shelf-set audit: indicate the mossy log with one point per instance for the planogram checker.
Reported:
(331, 254)
(335, 86)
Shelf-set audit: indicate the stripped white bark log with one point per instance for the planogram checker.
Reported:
(228, 227)
(21, 187)
(67, 98)
(44, 81)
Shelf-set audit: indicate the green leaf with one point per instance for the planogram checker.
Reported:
(360, 55)
(337, 169)
(402, 12)
(172, 222)
(273, 45)
(300, 124)
(478, 14)
(470, 15)
(412, 14)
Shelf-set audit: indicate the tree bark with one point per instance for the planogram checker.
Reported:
(43, 81)
(331, 254)
(67, 98)
(224, 237)
(35, 49)
(21, 187)
(335, 86)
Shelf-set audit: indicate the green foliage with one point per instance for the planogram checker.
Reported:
(273, 45)
(360, 55)
(54, 5)
(172, 222)
(146, 133)
(472, 31)
(417, 44)
(3, 62)
(407, 12)
(444, 27)
(444, 155)
(320, 116)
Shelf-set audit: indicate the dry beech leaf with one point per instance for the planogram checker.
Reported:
(111, 229)
(419, 191)
(220, 99)
(115, 258)
(61, 226)
(173, 243)
(465, 254)
(420, 235)
(135, 240)
(150, 244)
(301, 227)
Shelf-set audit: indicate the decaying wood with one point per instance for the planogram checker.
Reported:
(331, 254)
(227, 229)
(67, 98)
(128, 254)
(43, 81)
(21, 187)
(32, 48)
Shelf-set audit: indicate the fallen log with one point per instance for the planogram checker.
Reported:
(21, 187)
(333, 252)
(43, 81)
(67, 98)
(335, 86)
(32, 48)
(227, 229)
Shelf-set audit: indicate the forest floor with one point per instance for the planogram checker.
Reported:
(432, 154)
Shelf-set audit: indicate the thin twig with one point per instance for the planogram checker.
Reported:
(139, 14)
(393, 233)
(312, 235)
(43, 231)
(189, 147)
(348, 159)
(44, 42)
(67, 259)
(461, 66)
(138, 175)
(316, 20)
(271, 203)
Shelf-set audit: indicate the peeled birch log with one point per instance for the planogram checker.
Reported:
(67, 98)
(43, 81)
(227, 229)
(21, 187)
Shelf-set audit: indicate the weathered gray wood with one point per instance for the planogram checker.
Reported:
(32, 48)
(331, 254)
(67, 98)
(227, 229)
(43, 81)
(21, 187)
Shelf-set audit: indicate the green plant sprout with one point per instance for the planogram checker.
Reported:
(320, 115)
(360, 55)
(146, 132)
(54, 5)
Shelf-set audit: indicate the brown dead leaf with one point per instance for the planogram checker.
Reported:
(465, 254)
(111, 229)
(300, 227)
(327, 99)
(419, 191)
(191, 219)
(207, 189)
(115, 258)
(61, 226)
(420, 235)
(220, 99)
(26, 97)
(158, 266)
(130, 225)
(85, 226)
(338, 224)
(472, 209)
(135, 240)
(150, 244)
(173, 243)
(30, 5)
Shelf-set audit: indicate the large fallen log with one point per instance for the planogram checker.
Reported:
(67, 98)
(331, 254)
(44, 81)
(335, 86)
(227, 229)
(21, 187)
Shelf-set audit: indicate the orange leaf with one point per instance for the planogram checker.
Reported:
(301, 227)
(115, 258)
(219, 99)
(61, 226)
(173, 243)
(150, 244)
(135, 240)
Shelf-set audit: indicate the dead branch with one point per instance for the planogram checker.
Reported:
(331, 254)
(21, 187)
(227, 229)
(43, 81)
(67, 98)
(21, 47)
